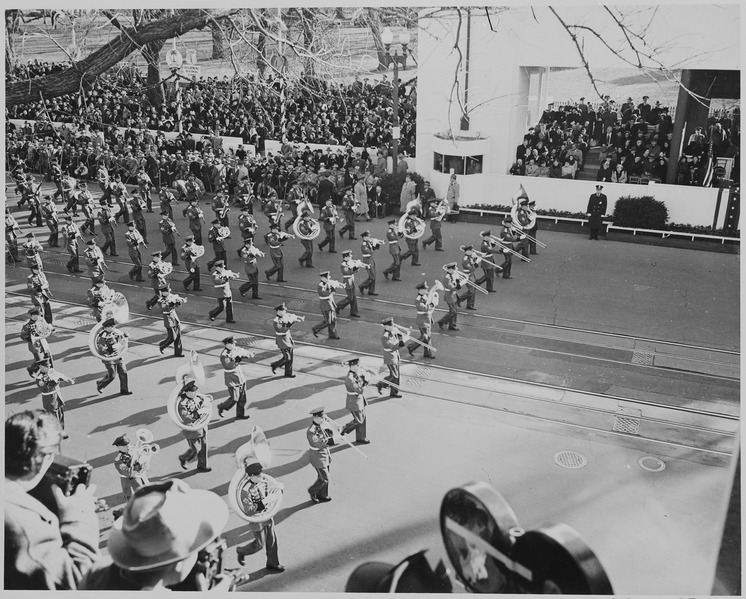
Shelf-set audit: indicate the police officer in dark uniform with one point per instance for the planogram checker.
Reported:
(595, 211)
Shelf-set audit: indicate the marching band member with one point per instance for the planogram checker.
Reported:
(109, 337)
(221, 279)
(215, 237)
(68, 194)
(521, 244)
(138, 205)
(349, 268)
(144, 185)
(391, 341)
(167, 200)
(304, 226)
(508, 237)
(71, 237)
(437, 214)
(284, 340)
(38, 285)
(189, 405)
(532, 231)
(94, 260)
(412, 244)
(49, 209)
(107, 228)
(368, 247)
(195, 188)
(32, 251)
(96, 294)
(220, 208)
(325, 290)
(451, 284)
(248, 253)
(102, 176)
(393, 235)
(349, 209)
(356, 402)
(169, 302)
(272, 207)
(189, 256)
(196, 217)
(319, 439)
(247, 223)
(329, 217)
(48, 380)
(87, 206)
(260, 486)
(469, 264)
(234, 379)
(132, 473)
(168, 228)
(424, 307)
(294, 198)
(37, 345)
(157, 279)
(275, 238)
(133, 239)
(11, 238)
(490, 248)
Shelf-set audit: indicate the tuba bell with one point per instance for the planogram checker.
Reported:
(247, 507)
(116, 307)
(186, 417)
(165, 268)
(432, 296)
(304, 230)
(41, 329)
(144, 449)
(413, 227)
(199, 251)
(105, 350)
(192, 370)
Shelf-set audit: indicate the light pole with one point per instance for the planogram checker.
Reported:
(387, 37)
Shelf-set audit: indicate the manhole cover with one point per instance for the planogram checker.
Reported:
(570, 459)
(651, 464)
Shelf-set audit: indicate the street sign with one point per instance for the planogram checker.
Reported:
(174, 59)
(190, 71)
(191, 57)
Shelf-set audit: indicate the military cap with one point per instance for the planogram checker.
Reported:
(387, 321)
(218, 263)
(34, 266)
(163, 288)
(451, 265)
(29, 235)
(90, 242)
(230, 339)
(189, 238)
(69, 217)
(253, 468)
(422, 285)
(157, 253)
(324, 273)
(485, 233)
(98, 280)
(190, 386)
(109, 322)
(508, 219)
(347, 253)
(131, 224)
(33, 311)
(365, 234)
(467, 248)
(216, 222)
(351, 362)
(274, 226)
(305, 213)
(599, 187)
(392, 222)
(164, 213)
(121, 441)
(42, 362)
(282, 306)
(317, 411)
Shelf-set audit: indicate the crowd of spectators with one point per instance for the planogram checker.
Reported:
(634, 142)
(316, 111)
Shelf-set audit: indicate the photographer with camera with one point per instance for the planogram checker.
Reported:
(167, 537)
(43, 550)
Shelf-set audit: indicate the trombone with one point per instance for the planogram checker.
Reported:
(482, 258)
(502, 244)
(527, 236)
(338, 430)
(372, 374)
(465, 278)
(408, 333)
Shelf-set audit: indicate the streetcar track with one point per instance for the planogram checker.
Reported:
(569, 354)
(461, 384)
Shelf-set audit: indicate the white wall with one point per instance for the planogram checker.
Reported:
(686, 205)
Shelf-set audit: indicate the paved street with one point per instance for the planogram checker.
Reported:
(542, 366)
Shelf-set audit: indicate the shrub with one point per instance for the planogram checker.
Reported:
(644, 213)
(391, 185)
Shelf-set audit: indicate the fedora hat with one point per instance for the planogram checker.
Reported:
(164, 523)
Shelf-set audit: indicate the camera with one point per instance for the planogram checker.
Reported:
(210, 565)
(491, 553)
(67, 473)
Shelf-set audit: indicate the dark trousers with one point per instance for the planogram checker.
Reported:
(236, 397)
(594, 233)
(350, 300)
(359, 424)
(286, 361)
(171, 251)
(193, 278)
(436, 237)
(469, 295)
(328, 241)
(197, 232)
(72, 204)
(174, 336)
(223, 303)
(370, 282)
(140, 226)
(197, 449)
(221, 255)
(35, 214)
(47, 309)
(111, 368)
(111, 243)
(452, 316)
(53, 404)
(488, 277)
(392, 378)
(330, 322)
(266, 537)
(54, 234)
(320, 488)
(395, 268)
(136, 271)
(349, 225)
(307, 256)
(507, 265)
(252, 283)
(413, 250)
(425, 337)
(73, 264)
(12, 250)
(89, 224)
(278, 266)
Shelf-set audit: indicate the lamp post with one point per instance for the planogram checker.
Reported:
(387, 37)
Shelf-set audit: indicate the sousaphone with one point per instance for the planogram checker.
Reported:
(413, 227)
(199, 251)
(186, 417)
(115, 306)
(192, 370)
(306, 228)
(247, 507)
(103, 349)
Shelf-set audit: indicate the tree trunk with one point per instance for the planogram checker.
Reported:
(374, 22)
(218, 40)
(86, 70)
(152, 52)
(261, 57)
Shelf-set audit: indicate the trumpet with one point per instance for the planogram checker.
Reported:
(504, 245)
(251, 251)
(143, 451)
(334, 284)
(465, 278)
(228, 275)
(358, 264)
(290, 318)
(240, 352)
(377, 242)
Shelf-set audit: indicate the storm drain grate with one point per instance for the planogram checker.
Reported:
(246, 341)
(85, 322)
(627, 421)
(644, 358)
(420, 373)
(651, 464)
(570, 459)
(296, 304)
